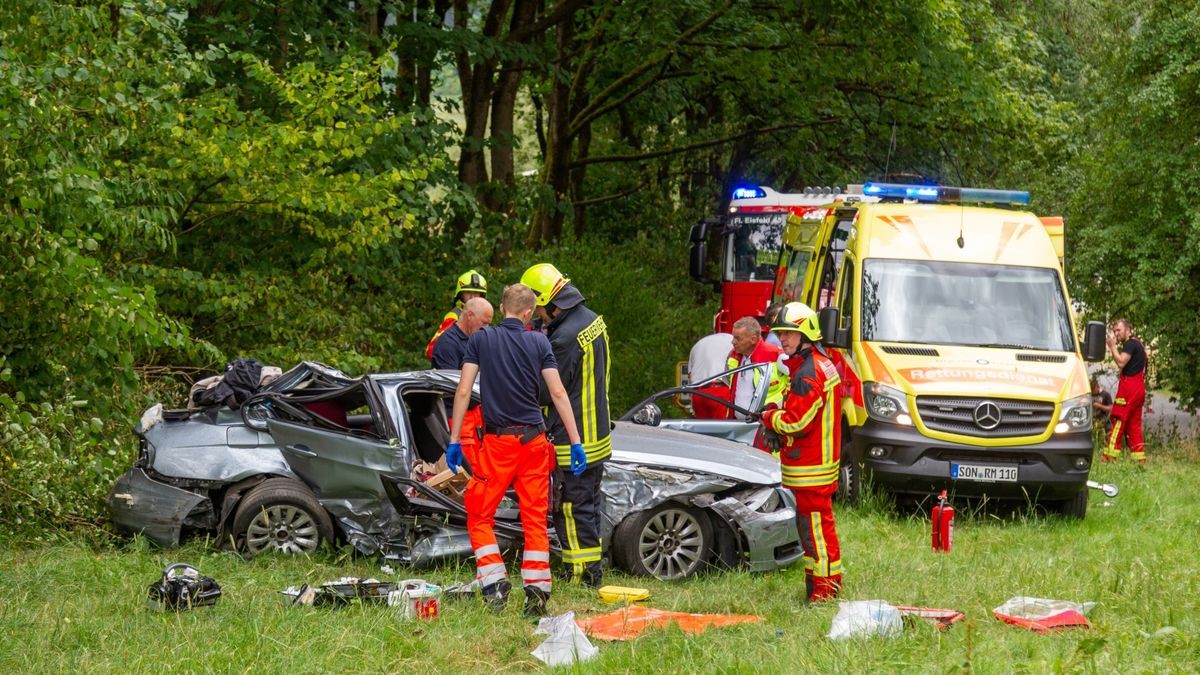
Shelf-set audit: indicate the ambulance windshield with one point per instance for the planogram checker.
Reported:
(970, 304)
(752, 246)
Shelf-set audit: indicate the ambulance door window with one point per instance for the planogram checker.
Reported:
(833, 261)
(792, 288)
(846, 294)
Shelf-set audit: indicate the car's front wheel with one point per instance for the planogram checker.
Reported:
(1075, 507)
(281, 515)
(670, 542)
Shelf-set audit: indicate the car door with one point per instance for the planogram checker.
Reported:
(337, 465)
(742, 431)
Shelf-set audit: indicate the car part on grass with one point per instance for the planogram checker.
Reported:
(182, 587)
(1109, 489)
(668, 542)
(281, 515)
(340, 593)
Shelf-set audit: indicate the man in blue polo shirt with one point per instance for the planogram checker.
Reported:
(448, 354)
(511, 361)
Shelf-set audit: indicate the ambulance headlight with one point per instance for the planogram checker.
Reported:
(1076, 415)
(886, 404)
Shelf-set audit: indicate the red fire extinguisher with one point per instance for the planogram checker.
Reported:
(943, 524)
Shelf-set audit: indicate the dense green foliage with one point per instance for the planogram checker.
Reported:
(69, 607)
(185, 183)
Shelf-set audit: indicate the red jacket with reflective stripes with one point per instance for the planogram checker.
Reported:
(810, 423)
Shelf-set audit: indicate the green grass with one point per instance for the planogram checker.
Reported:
(70, 607)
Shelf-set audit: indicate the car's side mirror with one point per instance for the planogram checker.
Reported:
(256, 412)
(650, 415)
(834, 335)
(1093, 341)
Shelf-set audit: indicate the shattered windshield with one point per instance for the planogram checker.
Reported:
(970, 304)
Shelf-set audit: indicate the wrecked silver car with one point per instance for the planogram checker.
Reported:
(322, 458)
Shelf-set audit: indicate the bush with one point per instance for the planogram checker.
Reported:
(57, 462)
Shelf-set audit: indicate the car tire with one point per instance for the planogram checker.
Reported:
(281, 515)
(668, 542)
(1075, 507)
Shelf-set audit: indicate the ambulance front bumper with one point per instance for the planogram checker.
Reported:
(902, 460)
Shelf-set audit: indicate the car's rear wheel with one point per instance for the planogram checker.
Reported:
(1075, 507)
(669, 542)
(281, 515)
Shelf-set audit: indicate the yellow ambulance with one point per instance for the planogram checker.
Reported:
(948, 310)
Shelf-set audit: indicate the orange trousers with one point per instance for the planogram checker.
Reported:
(472, 420)
(502, 461)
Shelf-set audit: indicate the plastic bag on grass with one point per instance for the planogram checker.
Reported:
(862, 618)
(1040, 614)
(566, 644)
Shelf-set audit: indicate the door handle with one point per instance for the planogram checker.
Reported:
(301, 449)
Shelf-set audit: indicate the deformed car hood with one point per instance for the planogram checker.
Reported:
(667, 448)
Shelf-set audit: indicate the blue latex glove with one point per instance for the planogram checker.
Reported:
(454, 458)
(578, 458)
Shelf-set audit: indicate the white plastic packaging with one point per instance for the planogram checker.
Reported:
(864, 618)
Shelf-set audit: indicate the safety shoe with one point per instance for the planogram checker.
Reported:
(535, 601)
(496, 595)
(1105, 459)
(593, 576)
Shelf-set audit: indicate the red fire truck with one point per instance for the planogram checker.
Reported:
(751, 235)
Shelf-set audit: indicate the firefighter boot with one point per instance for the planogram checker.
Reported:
(593, 575)
(496, 595)
(535, 602)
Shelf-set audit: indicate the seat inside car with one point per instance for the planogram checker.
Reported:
(430, 426)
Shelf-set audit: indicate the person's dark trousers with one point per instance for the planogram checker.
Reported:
(577, 522)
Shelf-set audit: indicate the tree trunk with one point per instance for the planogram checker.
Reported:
(547, 220)
(578, 174)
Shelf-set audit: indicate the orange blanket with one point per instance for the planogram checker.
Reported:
(629, 622)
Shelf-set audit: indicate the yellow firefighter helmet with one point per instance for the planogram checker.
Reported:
(799, 317)
(470, 281)
(545, 280)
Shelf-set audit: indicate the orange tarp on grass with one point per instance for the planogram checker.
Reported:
(629, 622)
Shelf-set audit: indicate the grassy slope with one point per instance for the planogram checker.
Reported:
(67, 607)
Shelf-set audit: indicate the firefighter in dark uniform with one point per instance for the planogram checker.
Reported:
(512, 363)
(470, 284)
(809, 428)
(580, 342)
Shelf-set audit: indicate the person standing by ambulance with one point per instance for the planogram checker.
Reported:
(448, 354)
(1130, 356)
(809, 426)
(470, 284)
(748, 348)
(512, 362)
(580, 342)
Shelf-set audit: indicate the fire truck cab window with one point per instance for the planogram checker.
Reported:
(753, 249)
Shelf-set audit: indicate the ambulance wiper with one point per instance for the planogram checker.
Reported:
(1006, 345)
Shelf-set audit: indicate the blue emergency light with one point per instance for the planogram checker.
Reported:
(749, 193)
(945, 195)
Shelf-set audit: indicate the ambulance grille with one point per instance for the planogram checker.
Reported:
(957, 415)
(1043, 358)
(910, 351)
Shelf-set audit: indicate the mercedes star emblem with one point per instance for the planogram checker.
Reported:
(987, 415)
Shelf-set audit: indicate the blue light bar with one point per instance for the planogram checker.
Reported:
(749, 193)
(945, 195)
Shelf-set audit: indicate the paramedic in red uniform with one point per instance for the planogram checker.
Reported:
(448, 354)
(1130, 356)
(510, 361)
(810, 429)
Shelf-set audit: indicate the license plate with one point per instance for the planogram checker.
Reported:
(984, 473)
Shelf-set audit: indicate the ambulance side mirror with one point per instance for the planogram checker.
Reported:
(835, 336)
(1093, 341)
